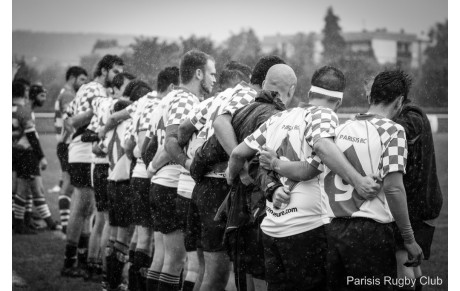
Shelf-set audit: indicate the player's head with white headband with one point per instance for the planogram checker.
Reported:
(327, 86)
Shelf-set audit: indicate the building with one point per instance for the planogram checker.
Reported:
(403, 49)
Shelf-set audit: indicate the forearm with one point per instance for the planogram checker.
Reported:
(129, 148)
(396, 197)
(335, 160)
(89, 136)
(224, 132)
(81, 119)
(149, 149)
(176, 152)
(35, 144)
(296, 170)
(160, 159)
(114, 119)
(185, 132)
(235, 164)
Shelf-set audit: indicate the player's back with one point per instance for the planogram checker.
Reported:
(370, 143)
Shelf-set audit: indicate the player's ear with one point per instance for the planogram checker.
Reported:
(199, 74)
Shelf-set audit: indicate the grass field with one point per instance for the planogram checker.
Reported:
(38, 259)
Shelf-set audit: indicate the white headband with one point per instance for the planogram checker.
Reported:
(319, 90)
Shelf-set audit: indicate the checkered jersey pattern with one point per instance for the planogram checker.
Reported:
(145, 115)
(394, 143)
(199, 117)
(84, 97)
(321, 122)
(240, 98)
(129, 129)
(102, 109)
(181, 105)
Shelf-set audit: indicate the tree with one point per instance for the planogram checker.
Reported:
(25, 71)
(105, 43)
(243, 47)
(431, 90)
(203, 44)
(333, 42)
(149, 57)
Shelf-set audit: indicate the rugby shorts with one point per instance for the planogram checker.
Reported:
(100, 183)
(120, 208)
(80, 175)
(207, 196)
(140, 202)
(360, 248)
(26, 164)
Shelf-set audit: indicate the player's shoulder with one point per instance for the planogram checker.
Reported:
(386, 126)
(92, 89)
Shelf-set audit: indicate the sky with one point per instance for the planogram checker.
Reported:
(219, 19)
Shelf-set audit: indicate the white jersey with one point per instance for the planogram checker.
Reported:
(81, 152)
(291, 134)
(373, 145)
(172, 110)
(102, 109)
(119, 164)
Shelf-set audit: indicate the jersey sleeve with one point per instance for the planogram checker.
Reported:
(394, 157)
(199, 118)
(239, 100)
(132, 108)
(258, 138)
(95, 119)
(321, 123)
(25, 119)
(179, 109)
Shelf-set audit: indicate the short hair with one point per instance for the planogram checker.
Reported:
(389, 85)
(75, 71)
(23, 81)
(119, 79)
(261, 68)
(136, 89)
(228, 75)
(192, 61)
(234, 65)
(107, 63)
(19, 89)
(121, 104)
(329, 78)
(167, 76)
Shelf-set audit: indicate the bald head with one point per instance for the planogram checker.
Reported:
(281, 78)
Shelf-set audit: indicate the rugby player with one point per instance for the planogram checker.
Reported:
(75, 77)
(294, 236)
(80, 158)
(140, 183)
(197, 75)
(211, 190)
(27, 156)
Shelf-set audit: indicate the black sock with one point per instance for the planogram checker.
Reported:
(168, 282)
(70, 255)
(152, 280)
(188, 286)
(418, 284)
(114, 275)
(141, 260)
(83, 249)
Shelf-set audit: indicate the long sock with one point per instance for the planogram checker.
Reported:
(142, 261)
(115, 277)
(19, 207)
(83, 249)
(42, 207)
(60, 183)
(188, 286)
(64, 209)
(418, 284)
(70, 254)
(29, 203)
(152, 280)
(168, 282)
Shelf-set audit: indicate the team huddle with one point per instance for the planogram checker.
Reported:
(187, 189)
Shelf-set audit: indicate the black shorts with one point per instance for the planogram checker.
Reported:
(62, 151)
(246, 250)
(120, 213)
(360, 248)
(100, 175)
(80, 175)
(140, 202)
(207, 196)
(423, 234)
(296, 262)
(26, 164)
(167, 208)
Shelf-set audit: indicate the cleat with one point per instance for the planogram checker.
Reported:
(73, 272)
